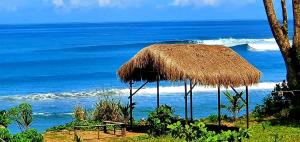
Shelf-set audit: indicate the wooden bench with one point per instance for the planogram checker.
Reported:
(114, 125)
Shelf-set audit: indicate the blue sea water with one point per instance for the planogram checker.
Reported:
(57, 66)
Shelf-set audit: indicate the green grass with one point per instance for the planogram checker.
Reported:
(147, 138)
(261, 133)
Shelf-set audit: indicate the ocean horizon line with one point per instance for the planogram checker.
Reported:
(127, 22)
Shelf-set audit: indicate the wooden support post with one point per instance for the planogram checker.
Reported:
(219, 106)
(123, 130)
(157, 85)
(105, 128)
(191, 99)
(185, 102)
(131, 103)
(247, 106)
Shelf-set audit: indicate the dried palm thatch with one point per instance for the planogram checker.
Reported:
(209, 65)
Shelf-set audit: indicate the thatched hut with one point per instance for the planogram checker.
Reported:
(209, 65)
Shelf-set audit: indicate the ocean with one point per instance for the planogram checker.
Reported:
(57, 66)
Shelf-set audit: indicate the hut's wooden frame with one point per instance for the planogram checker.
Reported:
(187, 63)
(186, 94)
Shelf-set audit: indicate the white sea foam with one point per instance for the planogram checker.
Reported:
(50, 114)
(268, 44)
(164, 90)
(179, 89)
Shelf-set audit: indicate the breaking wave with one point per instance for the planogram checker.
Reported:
(268, 44)
(164, 90)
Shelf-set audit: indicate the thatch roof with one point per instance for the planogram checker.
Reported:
(203, 64)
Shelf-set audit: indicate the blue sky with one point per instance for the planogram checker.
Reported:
(58, 11)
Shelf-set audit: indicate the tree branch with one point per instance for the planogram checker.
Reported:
(284, 17)
(280, 37)
(296, 13)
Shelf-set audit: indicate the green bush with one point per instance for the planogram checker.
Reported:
(194, 131)
(159, 119)
(22, 115)
(281, 103)
(198, 132)
(70, 125)
(4, 119)
(30, 135)
(214, 118)
(80, 113)
(108, 109)
(236, 103)
(4, 135)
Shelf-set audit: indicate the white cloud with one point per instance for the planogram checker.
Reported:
(119, 3)
(209, 2)
(182, 3)
(195, 3)
(71, 4)
(104, 3)
(58, 3)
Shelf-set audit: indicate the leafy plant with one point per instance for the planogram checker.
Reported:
(281, 103)
(80, 113)
(159, 119)
(4, 135)
(70, 125)
(125, 111)
(236, 104)
(22, 115)
(197, 131)
(4, 119)
(108, 109)
(176, 130)
(30, 135)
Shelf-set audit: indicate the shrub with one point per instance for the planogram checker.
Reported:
(236, 103)
(4, 119)
(159, 119)
(125, 112)
(30, 135)
(80, 113)
(22, 115)
(213, 118)
(4, 135)
(281, 103)
(70, 125)
(108, 109)
(198, 132)
(190, 132)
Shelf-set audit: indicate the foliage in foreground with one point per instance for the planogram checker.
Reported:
(22, 115)
(70, 126)
(30, 135)
(159, 119)
(198, 132)
(4, 119)
(110, 109)
(281, 103)
(107, 109)
(236, 103)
